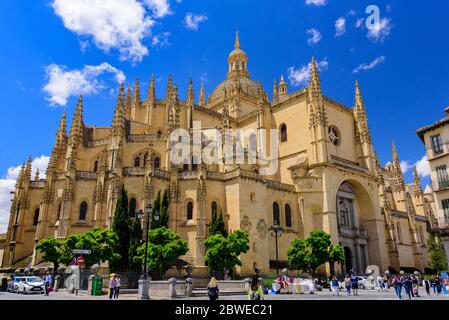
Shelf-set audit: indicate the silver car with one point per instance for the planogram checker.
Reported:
(30, 284)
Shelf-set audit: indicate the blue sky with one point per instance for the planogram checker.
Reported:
(402, 66)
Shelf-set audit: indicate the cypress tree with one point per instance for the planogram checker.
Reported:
(135, 242)
(164, 210)
(121, 226)
(217, 225)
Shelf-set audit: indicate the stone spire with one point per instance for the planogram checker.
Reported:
(136, 100)
(169, 87)
(36, 176)
(27, 175)
(417, 188)
(237, 41)
(118, 122)
(190, 94)
(60, 145)
(318, 117)
(76, 130)
(151, 95)
(128, 103)
(202, 96)
(397, 169)
(283, 88)
(360, 117)
(237, 61)
(20, 176)
(275, 92)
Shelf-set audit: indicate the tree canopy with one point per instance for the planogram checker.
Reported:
(435, 248)
(224, 251)
(52, 250)
(161, 205)
(121, 225)
(308, 254)
(135, 242)
(217, 225)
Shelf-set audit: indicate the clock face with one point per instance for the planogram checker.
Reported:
(334, 135)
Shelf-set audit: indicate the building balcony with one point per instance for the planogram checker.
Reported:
(433, 153)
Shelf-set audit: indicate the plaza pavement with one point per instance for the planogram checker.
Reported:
(321, 295)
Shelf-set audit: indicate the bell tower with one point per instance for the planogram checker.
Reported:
(238, 61)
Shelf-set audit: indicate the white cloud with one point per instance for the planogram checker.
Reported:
(192, 21)
(301, 76)
(204, 77)
(160, 8)
(316, 2)
(112, 24)
(423, 167)
(340, 27)
(351, 13)
(161, 40)
(379, 31)
(314, 36)
(7, 184)
(63, 83)
(405, 166)
(359, 23)
(370, 65)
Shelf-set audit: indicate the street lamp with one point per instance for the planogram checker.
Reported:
(276, 231)
(144, 283)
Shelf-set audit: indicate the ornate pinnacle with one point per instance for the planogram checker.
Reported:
(151, 96)
(136, 95)
(417, 188)
(118, 122)
(360, 116)
(28, 169)
(76, 130)
(397, 169)
(169, 87)
(20, 177)
(190, 95)
(275, 90)
(237, 41)
(202, 96)
(128, 103)
(36, 176)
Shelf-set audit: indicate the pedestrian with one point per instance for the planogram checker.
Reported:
(255, 290)
(426, 284)
(380, 283)
(355, 285)
(117, 286)
(438, 285)
(386, 283)
(408, 287)
(112, 283)
(397, 285)
(335, 286)
(348, 285)
(48, 280)
(212, 289)
(415, 286)
(433, 284)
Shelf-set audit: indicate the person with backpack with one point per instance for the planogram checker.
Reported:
(335, 286)
(255, 290)
(355, 285)
(212, 289)
(397, 284)
(408, 286)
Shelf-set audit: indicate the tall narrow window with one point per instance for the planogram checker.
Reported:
(96, 166)
(190, 210)
(157, 162)
(276, 214)
(36, 217)
(398, 226)
(137, 162)
(252, 144)
(60, 210)
(288, 216)
(421, 236)
(159, 134)
(443, 178)
(132, 207)
(185, 166)
(445, 205)
(437, 144)
(194, 163)
(283, 130)
(145, 159)
(214, 208)
(83, 210)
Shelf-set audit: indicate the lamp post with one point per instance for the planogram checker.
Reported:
(276, 231)
(144, 282)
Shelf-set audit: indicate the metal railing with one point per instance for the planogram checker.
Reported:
(432, 153)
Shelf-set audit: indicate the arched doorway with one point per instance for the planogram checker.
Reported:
(348, 260)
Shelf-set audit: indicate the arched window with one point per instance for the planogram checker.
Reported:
(145, 159)
(194, 163)
(421, 236)
(96, 166)
(252, 143)
(288, 216)
(283, 130)
(214, 209)
(36, 217)
(59, 210)
(159, 134)
(190, 210)
(83, 210)
(185, 166)
(157, 162)
(137, 162)
(398, 226)
(132, 207)
(276, 214)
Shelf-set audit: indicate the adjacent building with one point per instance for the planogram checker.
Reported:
(327, 175)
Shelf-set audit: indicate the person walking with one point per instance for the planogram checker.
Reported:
(408, 287)
(386, 283)
(380, 283)
(415, 286)
(112, 282)
(117, 286)
(438, 285)
(433, 283)
(426, 284)
(255, 290)
(335, 286)
(397, 285)
(348, 285)
(355, 285)
(212, 289)
(48, 280)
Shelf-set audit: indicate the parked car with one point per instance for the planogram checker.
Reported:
(12, 284)
(361, 281)
(30, 285)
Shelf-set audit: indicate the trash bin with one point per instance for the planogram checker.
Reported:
(97, 286)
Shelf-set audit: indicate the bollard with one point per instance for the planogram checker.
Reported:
(90, 285)
(189, 287)
(172, 288)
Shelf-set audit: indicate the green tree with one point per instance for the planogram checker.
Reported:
(336, 254)
(135, 242)
(435, 248)
(310, 253)
(217, 225)
(52, 250)
(121, 226)
(161, 206)
(224, 251)
(164, 248)
(101, 243)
